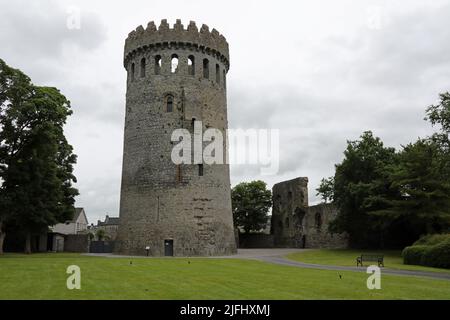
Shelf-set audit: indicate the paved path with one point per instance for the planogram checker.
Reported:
(277, 256)
(284, 261)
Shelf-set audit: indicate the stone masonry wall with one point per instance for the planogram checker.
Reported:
(160, 200)
(317, 221)
(295, 224)
(290, 202)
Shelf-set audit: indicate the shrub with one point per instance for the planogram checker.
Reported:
(414, 254)
(430, 250)
(437, 256)
(432, 239)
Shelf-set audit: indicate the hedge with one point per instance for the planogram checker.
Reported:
(438, 256)
(432, 239)
(431, 251)
(413, 254)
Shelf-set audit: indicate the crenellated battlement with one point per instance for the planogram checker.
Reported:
(211, 42)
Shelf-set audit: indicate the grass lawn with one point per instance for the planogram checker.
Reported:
(344, 257)
(43, 276)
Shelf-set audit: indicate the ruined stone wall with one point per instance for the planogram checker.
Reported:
(160, 200)
(290, 202)
(296, 225)
(317, 221)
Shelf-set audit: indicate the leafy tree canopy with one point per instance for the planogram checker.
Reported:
(251, 202)
(36, 161)
(392, 197)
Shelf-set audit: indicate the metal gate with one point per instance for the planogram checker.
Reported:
(101, 247)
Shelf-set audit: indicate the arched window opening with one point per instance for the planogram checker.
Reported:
(169, 102)
(200, 170)
(300, 215)
(174, 63)
(158, 63)
(143, 68)
(132, 72)
(191, 65)
(206, 68)
(217, 73)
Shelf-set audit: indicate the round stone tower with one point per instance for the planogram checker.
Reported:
(176, 80)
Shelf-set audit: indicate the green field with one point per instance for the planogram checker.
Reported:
(43, 276)
(344, 257)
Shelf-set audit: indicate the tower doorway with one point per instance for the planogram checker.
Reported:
(168, 248)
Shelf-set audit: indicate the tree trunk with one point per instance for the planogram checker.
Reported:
(28, 243)
(381, 239)
(2, 237)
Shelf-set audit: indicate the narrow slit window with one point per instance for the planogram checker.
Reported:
(200, 170)
(217, 73)
(224, 79)
(179, 177)
(132, 72)
(206, 68)
(143, 68)
(158, 63)
(191, 65)
(169, 101)
(174, 63)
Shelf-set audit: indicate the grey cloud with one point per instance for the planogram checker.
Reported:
(406, 52)
(101, 196)
(247, 109)
(103, 103)
(35, 38)
(38, 29)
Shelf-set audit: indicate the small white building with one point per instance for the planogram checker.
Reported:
(77, 225)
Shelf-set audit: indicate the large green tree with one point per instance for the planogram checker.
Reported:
(15, 89)
(439, 116)
(36, 161)
(422, 192)
(421, 180)
(251, 202)
(389, 197)
(358, 177)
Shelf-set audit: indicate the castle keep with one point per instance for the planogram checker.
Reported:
(176, 76)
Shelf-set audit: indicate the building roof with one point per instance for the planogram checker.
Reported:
(109, 221)
(78, 212)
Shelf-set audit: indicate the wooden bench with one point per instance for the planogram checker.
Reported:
(370, 257)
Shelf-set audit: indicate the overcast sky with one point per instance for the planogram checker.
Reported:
(320, 71)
